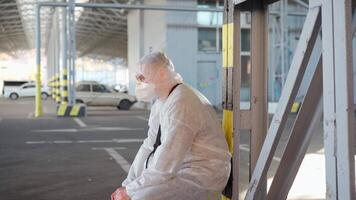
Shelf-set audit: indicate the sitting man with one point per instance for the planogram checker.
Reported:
(185, 155)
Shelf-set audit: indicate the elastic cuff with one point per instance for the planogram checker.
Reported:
(129, 192)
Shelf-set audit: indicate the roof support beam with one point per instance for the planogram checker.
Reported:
(132, 7)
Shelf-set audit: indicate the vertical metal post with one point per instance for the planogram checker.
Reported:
(38, 110)
(231, 98)
(236, 86)
(259, 97)
(272, 66)
(282, 40)
(294, 79)
(63, 55)
(72, 51)
(329, 100)
(56, 40)
(344, 98)
(50, 49)
(338, 99)
(54, 69)
(217, 32)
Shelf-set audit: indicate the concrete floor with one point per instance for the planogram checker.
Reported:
(54, 158)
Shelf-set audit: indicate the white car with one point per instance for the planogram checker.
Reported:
(93, 93)
(26, 90)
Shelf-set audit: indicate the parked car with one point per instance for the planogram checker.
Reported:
(26, 90)
(120, 88)
(93, 93)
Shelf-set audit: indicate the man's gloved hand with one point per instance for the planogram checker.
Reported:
(120, 194)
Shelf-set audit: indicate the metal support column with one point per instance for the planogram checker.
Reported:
(259, 76)
(329, 99)
(297, 69)
(338, 99)
(72, 51)
(56, 39)
(63, 56)
(236, 85)
(228, 95)
(334, 79)
(38, 110)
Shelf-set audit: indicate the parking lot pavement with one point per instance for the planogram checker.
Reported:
(54, 158)
(65, 158)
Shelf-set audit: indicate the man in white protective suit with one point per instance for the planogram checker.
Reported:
(185, 155)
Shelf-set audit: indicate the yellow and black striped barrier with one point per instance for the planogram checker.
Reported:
(76, 110)
(64, 87)
(57, 90)
(54, 84)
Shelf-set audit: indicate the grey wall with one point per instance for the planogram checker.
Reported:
(154, 28)
(200, 70)
(175, 33)
(182, 41)
(146, 32)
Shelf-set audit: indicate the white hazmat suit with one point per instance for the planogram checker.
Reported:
(193, 161)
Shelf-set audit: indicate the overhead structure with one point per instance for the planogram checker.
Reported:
(100, 32)
(329, 94)
(69, 49)
(17, 26)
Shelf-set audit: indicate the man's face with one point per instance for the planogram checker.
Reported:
(146, 74)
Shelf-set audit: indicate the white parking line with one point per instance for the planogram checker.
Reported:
(92, 129)
(102, 148)
(244, 147)
(123, 163)
(118, 129)
(85, 141)
(69, 130)
(62, 142)
(127, 140)
(79, 122)
(142, 118)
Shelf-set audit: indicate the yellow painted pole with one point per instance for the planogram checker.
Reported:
(38, 101)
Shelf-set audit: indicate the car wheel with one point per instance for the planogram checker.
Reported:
(124, 105)
(79, 101)
(14, 96)
(44, 96)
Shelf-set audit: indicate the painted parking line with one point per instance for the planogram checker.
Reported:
(118, 129)
(245, 147)
(68, 130)
(101, 148)
(120, 160)
(142, 118)
(79, 122)
(85, 141)
(92, 129)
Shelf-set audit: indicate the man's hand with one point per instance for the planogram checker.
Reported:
(120, 194)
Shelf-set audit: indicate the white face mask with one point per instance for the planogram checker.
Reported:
(145, 92)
